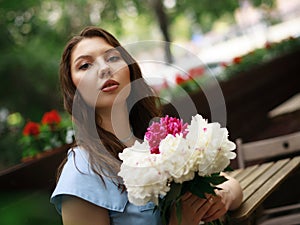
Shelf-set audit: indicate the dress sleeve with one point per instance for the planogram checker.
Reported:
(77, 179)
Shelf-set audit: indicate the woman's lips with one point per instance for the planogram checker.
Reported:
(110, 85)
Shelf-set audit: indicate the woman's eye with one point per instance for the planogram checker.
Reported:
(84, 66)
(114, 58)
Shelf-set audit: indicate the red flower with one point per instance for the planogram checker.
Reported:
(197, 71)
(165, 84)
(179, 79)
(237, 60)
(268, 45)
(31, 128)
(51, 117)
(224, 64)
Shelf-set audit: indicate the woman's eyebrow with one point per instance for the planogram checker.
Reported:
(111, 50)
(88, 56)
(82, 57)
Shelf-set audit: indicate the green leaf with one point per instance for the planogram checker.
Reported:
(228, 169)
(178, 211)
(200, 189)
(29, 152)
(215, 180)
(165, 203)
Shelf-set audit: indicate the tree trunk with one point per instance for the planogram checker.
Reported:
(162, 18)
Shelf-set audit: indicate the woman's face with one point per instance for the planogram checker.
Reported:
(100, 73)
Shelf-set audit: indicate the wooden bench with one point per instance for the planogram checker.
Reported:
(258, 182)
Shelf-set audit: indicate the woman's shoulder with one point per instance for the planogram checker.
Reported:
(78, 157)
(79, 180)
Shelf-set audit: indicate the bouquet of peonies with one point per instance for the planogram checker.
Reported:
(175, 158)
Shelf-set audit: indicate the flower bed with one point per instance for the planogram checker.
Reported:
(43, 146)
(50, 133)
(259, 56)
(198, 76)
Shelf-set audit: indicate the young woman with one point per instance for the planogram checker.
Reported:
(112, 106)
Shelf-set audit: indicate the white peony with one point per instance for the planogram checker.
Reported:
(143, 175)
(177, 158)
(213, 150)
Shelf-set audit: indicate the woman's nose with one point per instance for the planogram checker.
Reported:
(104, 71)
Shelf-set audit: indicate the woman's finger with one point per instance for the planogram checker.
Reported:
(218, 214)
(186, 196)
(217, 205)
(191, 200)
(217, 210)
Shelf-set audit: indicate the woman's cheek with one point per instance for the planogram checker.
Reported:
(87, 87)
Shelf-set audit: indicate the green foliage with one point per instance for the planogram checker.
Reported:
(27, 208)
(10, 133)
(29, 59)
(204, 12)
(266, 3)
(10, 152)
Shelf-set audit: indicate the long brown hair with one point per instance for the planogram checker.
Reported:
(103, 148)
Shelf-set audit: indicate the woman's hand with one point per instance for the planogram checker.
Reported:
(219, 207)
(195, 209)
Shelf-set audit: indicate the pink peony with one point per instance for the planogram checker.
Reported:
(158, 131)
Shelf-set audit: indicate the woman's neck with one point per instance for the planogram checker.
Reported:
(116, 121)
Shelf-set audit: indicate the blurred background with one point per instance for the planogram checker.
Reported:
(34, 32)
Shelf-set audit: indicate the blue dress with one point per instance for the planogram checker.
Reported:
(78, 179)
